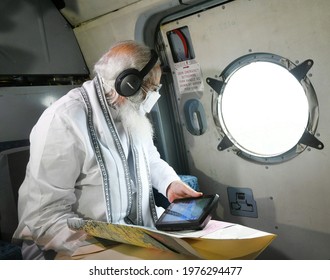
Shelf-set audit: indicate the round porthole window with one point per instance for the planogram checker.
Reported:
(265, 107)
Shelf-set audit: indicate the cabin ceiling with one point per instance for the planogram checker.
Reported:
(79, 11)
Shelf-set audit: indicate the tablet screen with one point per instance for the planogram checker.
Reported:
(186, 210)
(188, 213)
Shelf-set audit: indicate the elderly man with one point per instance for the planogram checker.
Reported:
(92, 156)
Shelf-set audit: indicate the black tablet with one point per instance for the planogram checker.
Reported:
(188, 213)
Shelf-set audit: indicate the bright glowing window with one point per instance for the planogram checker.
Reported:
(266, 107)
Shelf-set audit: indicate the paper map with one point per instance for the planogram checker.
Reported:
(218, 240)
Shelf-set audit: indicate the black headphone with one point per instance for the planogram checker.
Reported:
(130, 80)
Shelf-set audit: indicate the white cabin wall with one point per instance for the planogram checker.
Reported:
(292, 197)
(95, 36)
(79, 11)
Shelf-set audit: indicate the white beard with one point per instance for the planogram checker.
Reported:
(134, 123)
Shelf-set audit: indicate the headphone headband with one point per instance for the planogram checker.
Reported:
(130, 80)
(151, 63)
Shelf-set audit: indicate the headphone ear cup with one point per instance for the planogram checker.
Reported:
(128, 82)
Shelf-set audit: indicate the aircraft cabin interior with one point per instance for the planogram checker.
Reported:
(244, 104)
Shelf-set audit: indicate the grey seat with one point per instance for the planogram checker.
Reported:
(12, 173)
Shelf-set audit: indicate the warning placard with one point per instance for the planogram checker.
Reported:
(189, 76)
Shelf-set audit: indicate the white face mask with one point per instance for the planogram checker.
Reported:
(150, 101)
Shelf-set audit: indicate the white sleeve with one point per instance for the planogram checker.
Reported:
(48, 191)
(162, 174)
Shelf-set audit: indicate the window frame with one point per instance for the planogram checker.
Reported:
(300, 73)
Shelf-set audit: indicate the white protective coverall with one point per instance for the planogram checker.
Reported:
(79, 167)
